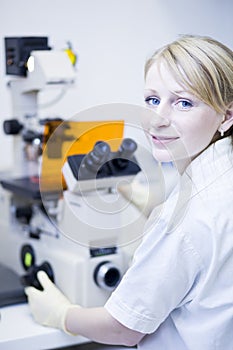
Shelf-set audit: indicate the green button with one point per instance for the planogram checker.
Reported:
(28, 259)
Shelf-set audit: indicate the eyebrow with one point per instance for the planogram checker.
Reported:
(151, 91)
(175, 92)
(181, 92)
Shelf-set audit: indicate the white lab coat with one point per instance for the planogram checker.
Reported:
(179, 289)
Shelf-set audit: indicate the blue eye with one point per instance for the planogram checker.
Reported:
(185, 104)
(152, 101)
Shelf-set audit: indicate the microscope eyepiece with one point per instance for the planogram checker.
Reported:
(97, 157)
(127, 148)
(125, 153)
(102, 163)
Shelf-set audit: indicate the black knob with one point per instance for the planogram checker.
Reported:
(12, 127)
(30, 135)
(24, 214)
(30, 279)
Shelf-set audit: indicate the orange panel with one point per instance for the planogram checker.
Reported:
(62, 139)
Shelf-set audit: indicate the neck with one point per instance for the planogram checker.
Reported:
(182, 164)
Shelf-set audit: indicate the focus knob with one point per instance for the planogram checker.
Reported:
(30, 278)
(107, 276)
(12, 127)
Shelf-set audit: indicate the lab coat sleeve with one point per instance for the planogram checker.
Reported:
(163, 276)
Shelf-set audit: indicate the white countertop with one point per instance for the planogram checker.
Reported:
(18, 330)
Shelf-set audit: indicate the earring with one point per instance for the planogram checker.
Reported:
(221, 131)
(221, 128)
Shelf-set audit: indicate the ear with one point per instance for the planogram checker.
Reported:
(228, 122)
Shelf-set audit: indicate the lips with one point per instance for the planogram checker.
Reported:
(163, 139)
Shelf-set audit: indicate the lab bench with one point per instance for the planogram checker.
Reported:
(18, 330)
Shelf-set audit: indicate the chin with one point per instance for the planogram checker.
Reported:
(163, 156)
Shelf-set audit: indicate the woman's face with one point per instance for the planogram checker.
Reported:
(183, 126)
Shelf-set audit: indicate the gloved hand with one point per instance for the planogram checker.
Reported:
(49, 307)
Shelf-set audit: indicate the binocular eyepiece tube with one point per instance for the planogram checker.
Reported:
(101, 154)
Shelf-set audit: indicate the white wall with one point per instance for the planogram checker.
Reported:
(113, 38)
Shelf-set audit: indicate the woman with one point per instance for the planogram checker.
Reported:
(178, 293)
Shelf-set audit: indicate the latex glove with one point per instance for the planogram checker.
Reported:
(49, 307)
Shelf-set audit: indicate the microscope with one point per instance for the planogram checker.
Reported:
(61, 211)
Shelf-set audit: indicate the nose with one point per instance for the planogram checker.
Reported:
(160, 120)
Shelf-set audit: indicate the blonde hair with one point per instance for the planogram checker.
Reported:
(203, 65)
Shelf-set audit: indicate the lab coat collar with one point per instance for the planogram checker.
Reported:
(214, 162)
